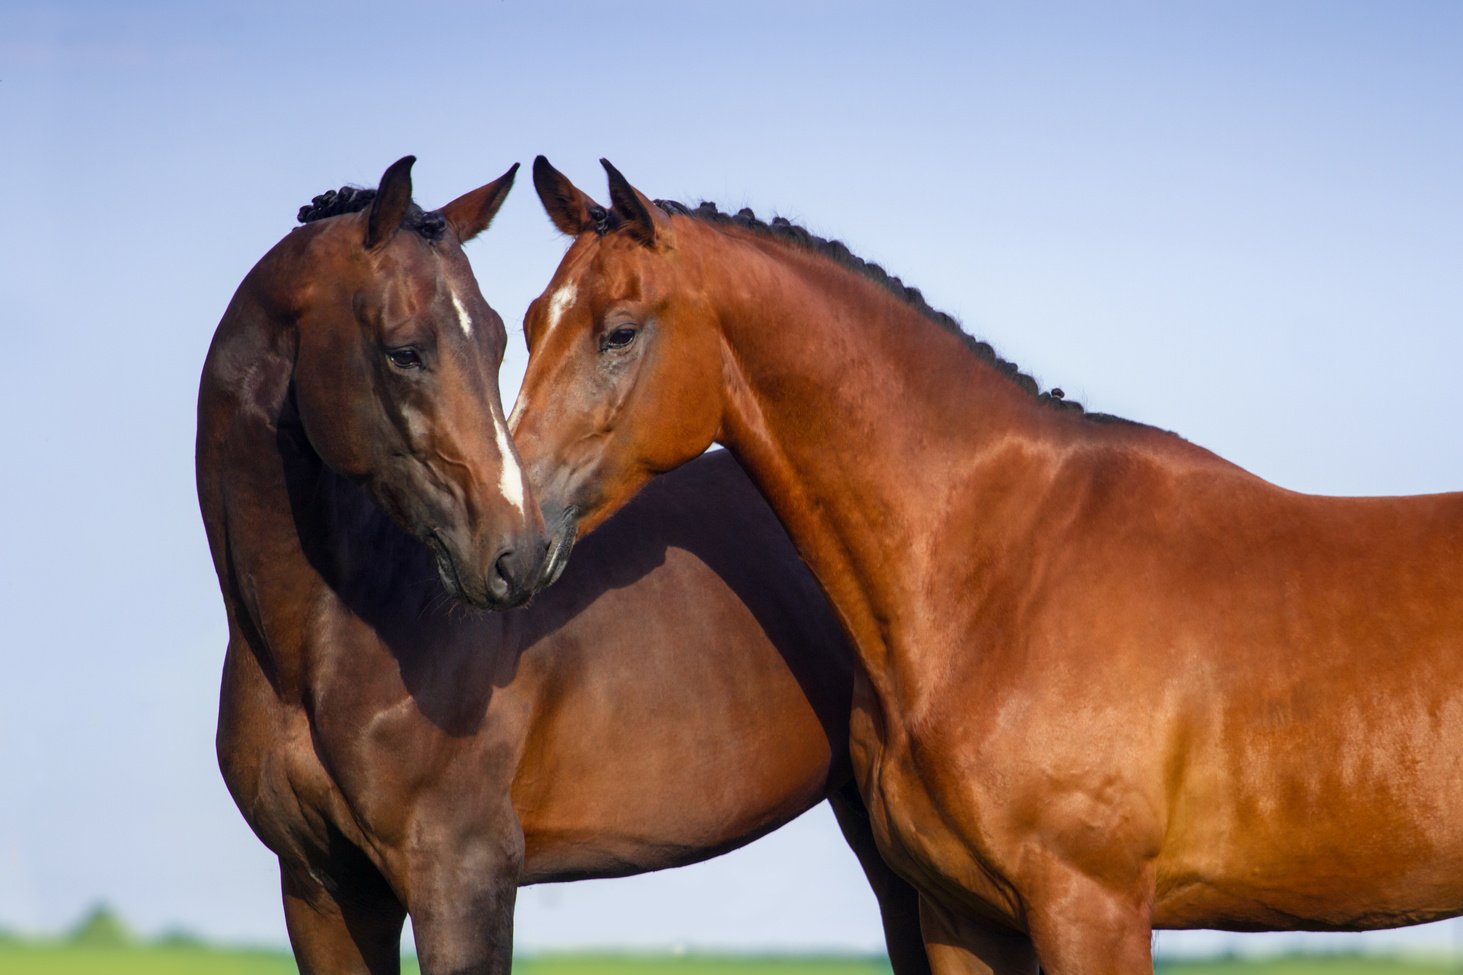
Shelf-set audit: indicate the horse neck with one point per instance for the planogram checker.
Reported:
(869, 426)
(290, 539)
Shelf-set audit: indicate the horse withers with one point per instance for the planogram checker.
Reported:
(1113, 681)
(683, 690)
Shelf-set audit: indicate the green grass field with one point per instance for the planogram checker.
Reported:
(51, 958)
(617, 964)
(1314, 965)
(41, 958)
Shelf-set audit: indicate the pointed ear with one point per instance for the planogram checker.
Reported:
(470, 214)
(388, 209)
(568, 206)
(642, 219)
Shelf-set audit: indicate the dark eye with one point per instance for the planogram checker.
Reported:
(620, 338)
(404, 358)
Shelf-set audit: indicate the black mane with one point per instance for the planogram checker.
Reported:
(835, 250)
(352, 199)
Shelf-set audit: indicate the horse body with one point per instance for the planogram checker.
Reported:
(1111, 680)
(684, 693)
(1235, 756)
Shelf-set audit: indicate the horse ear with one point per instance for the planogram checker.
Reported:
(643, 220)
(568, 206)
(393, 197)
(470, 214)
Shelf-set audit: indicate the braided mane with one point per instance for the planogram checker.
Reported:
(353, 199)
(835, 250)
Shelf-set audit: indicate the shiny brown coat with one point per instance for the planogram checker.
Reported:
(1110, 681)
(684, 690)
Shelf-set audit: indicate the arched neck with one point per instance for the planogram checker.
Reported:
(865, 423)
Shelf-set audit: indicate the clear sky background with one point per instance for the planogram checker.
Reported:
(1242, 221)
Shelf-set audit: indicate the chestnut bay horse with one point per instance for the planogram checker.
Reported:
(1109, 681)
(683, 691)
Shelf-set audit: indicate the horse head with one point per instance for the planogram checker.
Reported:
(396, 380)
(625, 376)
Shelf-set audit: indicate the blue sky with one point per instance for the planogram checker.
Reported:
(1241, 221)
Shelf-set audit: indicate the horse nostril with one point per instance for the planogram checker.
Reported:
(505, 581)
(503, 568)
(512, 577)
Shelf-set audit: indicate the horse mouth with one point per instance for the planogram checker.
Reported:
(560, 544)
(446, 568)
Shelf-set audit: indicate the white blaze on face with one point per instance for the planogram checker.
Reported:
(510, 475)
(463, 318)
(558, 304)
(517, 413)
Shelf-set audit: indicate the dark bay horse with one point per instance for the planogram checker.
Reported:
(1109, 680)
(683, 691)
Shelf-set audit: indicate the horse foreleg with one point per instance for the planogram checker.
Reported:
(959, 945)
(1083, 927)
(348, 930)
(461, 900)
(898, 901)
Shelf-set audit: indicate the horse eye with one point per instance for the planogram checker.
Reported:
(620, 338)
(404, 358)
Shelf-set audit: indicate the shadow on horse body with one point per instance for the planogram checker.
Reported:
(682, 691)
(1113, 681)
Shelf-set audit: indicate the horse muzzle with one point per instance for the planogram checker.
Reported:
(561, 543)
(508, 581)
(512, 578)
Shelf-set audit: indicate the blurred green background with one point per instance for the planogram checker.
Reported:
(102, 942)
(33, 958)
